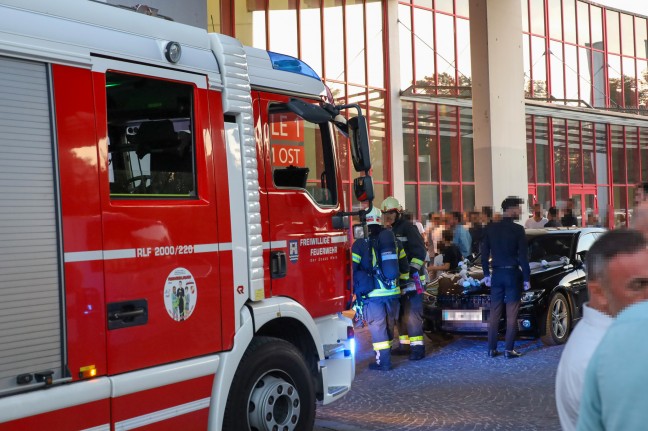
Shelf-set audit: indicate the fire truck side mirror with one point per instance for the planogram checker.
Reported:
(363, 188)
(359, 138)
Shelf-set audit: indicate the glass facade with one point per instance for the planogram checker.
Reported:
(576, 55)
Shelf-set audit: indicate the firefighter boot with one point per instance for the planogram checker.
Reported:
(417, 353)
(383, 361)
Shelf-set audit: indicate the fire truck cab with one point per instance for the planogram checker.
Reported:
(174, 247)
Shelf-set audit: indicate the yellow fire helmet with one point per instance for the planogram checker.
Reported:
(391, 204)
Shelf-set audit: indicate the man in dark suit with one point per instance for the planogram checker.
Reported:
(506, 242)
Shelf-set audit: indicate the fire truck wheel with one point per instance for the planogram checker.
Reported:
(272, 390)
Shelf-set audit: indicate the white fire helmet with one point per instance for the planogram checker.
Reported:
(373, 217)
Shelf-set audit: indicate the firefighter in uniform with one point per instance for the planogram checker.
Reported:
(376, 270)
(410, 321)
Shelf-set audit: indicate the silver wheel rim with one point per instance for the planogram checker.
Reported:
(274, 404)
(559, 318)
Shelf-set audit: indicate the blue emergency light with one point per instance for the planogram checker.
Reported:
(291, 64)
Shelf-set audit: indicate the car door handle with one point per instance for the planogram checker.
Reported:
(277, 264)
(126, 314)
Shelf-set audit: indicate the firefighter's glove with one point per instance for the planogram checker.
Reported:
(486, 281)
(527, 285)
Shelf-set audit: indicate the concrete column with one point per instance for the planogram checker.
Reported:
(395, 118)
(498, 101)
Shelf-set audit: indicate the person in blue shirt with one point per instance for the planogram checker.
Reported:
(461, 236)
(506, 242)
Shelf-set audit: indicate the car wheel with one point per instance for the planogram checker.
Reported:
(272, 390)
(557, 321)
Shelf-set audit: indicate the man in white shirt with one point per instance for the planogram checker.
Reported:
(596, 319)
(537, 221)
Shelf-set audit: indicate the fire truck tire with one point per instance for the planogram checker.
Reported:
(272, 390)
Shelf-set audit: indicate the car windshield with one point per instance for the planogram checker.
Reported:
(549, 247)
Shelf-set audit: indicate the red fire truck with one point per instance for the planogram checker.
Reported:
(174, 251)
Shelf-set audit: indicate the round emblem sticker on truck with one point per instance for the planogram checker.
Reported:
(180, 294)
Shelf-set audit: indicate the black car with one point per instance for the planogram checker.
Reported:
(548, 310)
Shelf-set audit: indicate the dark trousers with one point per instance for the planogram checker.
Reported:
(506, 288)
(381, 314)
(410, 320)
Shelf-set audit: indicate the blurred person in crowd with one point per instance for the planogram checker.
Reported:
(537, 221)
(640, 217)
(620, 221)
(486, 215)
(593, 220)
(476, 231)
(569, 219)
(449, 257)
(461, 236)
(552, 218)
(641, 193)
(506, 242)
(614, 393)
(596, 319)
(434, 233)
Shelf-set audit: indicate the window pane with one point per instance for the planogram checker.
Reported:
(543, 160)
(429, 199)
(544, 196)
(428, 156)
(409, 142)
(571, 74)
(423, 43)
(618, 155)
(411, 198)
(445, 57)
(250, 26)
(448, 143)
(355, 47)
(526, 55)
(282, 18)
(463, 57)
(612, 33)
(585, 75)
(575, 158)
(560, 150)
(614, 82)
(603, 197)
(468, 198)
(311, 36)
(629, 85)
(405, 46)
(596, 19)
(557, 67)
(444, 5)
(583, 23)
(632, 155)
(451, 197)
(538, 49)
(642, 84)
(643, 141)
(537, 14)
(462, 8)
(380, 159)
(530, 149)
(301, 155)
(587, 131)
(569, 20)
(467, 163)
(333, 41)
(375, 51)
(627, 34)
(555, 19)
(598, 81)
(640, 37)
(150, 158)
(601, 154)
(620, 206)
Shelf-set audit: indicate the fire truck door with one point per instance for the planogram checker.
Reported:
(159, 218)
(306, 253)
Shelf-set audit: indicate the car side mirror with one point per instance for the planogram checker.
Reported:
(359, 137)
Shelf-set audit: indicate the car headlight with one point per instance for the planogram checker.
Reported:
(531, 296)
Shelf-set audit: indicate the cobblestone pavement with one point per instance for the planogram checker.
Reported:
(456, 387)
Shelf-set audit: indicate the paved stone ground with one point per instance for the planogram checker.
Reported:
(456, 387)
